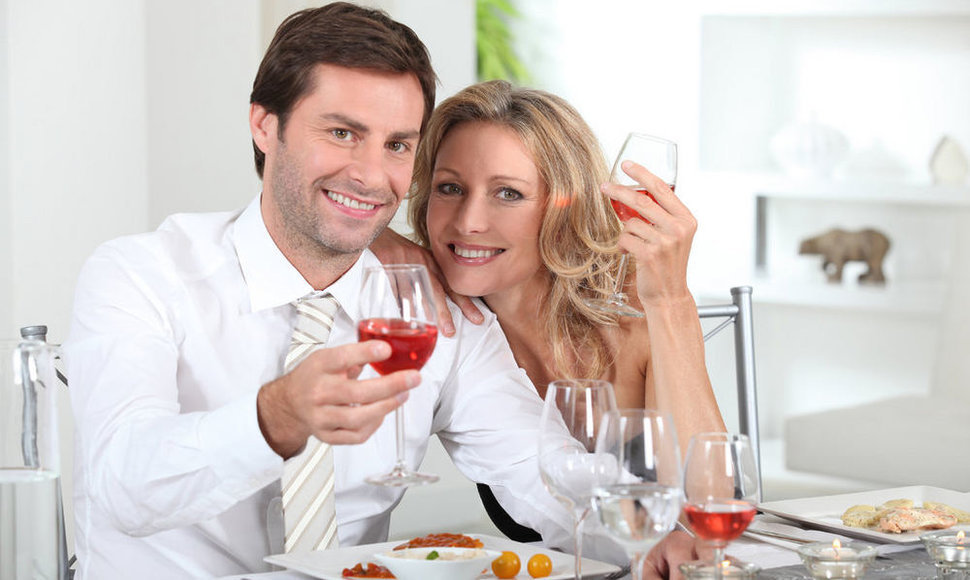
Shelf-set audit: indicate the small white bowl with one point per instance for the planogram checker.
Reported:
(412, 563)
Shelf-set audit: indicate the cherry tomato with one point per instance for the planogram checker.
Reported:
(539, 566)
(507, 565)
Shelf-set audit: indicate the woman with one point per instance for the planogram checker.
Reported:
(508, 195)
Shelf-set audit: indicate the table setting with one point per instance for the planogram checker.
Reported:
(619, 471)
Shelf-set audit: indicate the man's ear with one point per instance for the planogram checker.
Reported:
(263, 126)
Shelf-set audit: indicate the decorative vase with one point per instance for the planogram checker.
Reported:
(948, 164)
(809, 149)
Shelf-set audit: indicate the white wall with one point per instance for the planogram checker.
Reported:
(201, 58)
(77, 149)
(6, 218)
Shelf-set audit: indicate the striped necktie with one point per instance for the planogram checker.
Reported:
(309, 511)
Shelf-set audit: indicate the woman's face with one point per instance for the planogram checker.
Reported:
(485, 211)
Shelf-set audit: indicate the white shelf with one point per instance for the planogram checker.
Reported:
(916, 297)
(863, 191)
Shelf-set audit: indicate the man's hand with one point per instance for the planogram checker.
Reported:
(664, 559)
(393, 248)
(323, 397)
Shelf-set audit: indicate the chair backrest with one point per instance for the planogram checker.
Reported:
(739, 312)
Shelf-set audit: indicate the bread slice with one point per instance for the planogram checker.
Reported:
(861, 516)
(898, 503)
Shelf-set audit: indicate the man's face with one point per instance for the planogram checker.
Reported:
(335, 178)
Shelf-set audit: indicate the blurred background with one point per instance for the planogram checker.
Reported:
(792, 118)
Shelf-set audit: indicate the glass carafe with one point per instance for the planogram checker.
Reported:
(31, 522)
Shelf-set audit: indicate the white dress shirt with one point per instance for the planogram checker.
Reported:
(173, 334)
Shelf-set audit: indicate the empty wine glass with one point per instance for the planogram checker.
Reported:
(568, 465)
(721, 489)
(659, 156)
(397, 306)
(639, 502)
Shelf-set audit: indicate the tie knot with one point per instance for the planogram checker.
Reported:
(316, 304)
(315, 314)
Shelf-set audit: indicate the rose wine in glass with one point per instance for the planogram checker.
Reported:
(569, 467)
(638, 503)
(721, 489)
(398, 307)
(659, 156)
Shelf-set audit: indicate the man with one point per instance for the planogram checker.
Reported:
(184, 408)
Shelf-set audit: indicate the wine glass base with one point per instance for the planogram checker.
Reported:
(729, 569)
(402, 478)
(615, 304)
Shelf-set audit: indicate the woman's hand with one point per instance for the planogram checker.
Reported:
(661, 244)
(393, 248)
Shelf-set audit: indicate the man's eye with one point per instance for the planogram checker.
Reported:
(342, 134)
(509, 194)
(398, 147)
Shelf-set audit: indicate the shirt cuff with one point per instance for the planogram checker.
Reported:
(237, 450)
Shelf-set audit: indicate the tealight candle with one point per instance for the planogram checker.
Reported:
(949, 549)
(834, 560)
(704, 570)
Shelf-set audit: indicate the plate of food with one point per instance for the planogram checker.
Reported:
(331, 564)
(896, 515)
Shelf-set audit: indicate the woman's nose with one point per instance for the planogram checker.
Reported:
(472, 215)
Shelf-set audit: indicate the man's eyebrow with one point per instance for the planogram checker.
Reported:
(363, 129)
(346, 121)
(405, 135)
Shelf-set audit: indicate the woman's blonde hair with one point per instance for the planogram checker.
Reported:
(577, 240)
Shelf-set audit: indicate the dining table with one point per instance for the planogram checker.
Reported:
(771, 543)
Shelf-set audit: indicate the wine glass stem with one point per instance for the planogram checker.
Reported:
(621, 274)
(399, 436)
(718, 560)
(578, 542)
(636, 565)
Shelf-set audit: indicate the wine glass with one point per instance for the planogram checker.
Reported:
(721, 489)
(571, 414)
(660, 157)
(397, 306)
(639, 502)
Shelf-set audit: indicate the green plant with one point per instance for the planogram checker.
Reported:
(496, 57)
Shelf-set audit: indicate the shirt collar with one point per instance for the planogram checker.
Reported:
(271, 279)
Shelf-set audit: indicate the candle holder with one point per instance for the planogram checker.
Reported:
(836, 560)
(950, 551)
(733, 569)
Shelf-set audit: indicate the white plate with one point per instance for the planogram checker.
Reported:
(330, 564)
(825, 512)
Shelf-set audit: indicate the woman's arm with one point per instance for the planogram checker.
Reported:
(676, 372)
(393, 248)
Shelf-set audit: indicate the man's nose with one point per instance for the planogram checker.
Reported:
(367, 165)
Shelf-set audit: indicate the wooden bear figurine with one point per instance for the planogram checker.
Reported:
(838, 246)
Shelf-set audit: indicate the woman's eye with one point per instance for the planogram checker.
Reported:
(448, 189)
(509, 194)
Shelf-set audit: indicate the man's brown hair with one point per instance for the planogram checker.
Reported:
(341, 34)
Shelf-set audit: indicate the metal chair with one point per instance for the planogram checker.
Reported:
(739, 312)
